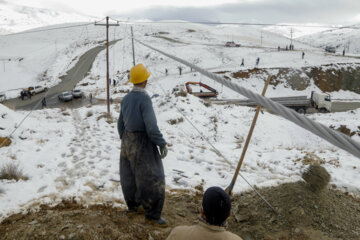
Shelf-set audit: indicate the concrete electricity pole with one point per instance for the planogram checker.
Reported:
(107, 60)
(291, 34)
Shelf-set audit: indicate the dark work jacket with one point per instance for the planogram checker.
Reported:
(137, 115)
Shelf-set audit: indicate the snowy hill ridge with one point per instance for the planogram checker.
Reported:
(342, 39)
(15, 18)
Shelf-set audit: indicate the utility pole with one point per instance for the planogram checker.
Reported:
(107, 61)
(291, 34)
(132, 42)
(261, 37)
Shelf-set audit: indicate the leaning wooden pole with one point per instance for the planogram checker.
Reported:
(258, 108)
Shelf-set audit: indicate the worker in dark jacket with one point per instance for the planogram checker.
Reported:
(141, 170)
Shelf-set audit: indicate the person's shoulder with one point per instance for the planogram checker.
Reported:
(232, 236)
(181, 230)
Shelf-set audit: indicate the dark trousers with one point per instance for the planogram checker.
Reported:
(142, 174)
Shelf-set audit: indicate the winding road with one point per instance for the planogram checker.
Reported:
(68, 81)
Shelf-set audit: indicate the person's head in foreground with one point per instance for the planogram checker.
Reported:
(215, 209)
(216, 206)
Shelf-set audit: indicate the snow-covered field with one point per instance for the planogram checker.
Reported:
(75, 152)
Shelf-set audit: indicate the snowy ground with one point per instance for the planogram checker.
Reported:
(75, 152)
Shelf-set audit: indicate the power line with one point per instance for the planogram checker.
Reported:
(45, 30)
(214, 148)
(239, 23)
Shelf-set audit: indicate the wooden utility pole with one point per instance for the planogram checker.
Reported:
(132, 42)
(107, 61)
(231, 186)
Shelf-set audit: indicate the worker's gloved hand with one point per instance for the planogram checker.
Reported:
(163, 152)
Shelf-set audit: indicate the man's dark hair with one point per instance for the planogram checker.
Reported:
(138, 84)
(216, 206)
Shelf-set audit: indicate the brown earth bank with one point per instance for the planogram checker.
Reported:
(328, 78)
(301, 214)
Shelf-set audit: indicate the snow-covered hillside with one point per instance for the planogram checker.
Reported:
(42, 57)
(288, 29)
(75, 152)
(16, 18)
(342, 38)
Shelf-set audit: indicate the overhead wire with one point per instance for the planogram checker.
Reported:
(45, 30)
(237, 23)
(338, 139)
(215, 149)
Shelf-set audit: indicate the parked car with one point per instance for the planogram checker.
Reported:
(2, 97)
(37, 89)
(77, 93)
(232, 44)
(65, 96)
(330, 49)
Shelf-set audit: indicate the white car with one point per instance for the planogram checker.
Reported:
(77, 93)
(38, 89)
(65, 96)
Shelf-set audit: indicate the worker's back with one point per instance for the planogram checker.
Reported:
(131, 107)
(137, 115)
(201, 231)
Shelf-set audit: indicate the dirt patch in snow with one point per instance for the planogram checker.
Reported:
(301, 214)
(327, 78)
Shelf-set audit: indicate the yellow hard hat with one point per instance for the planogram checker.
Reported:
(139, 74)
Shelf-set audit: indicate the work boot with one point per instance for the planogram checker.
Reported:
(135, 211)
(157, 222)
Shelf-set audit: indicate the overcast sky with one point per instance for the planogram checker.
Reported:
(259, 11)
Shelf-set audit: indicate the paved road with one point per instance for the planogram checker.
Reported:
(68, 82)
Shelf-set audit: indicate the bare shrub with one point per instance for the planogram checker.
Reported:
(64, 111)
(346, 130)
(89, 114)
(175, 121)
(11, 171)
(103, 115)
(207, 103)
(316, 177)
(181, 93)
